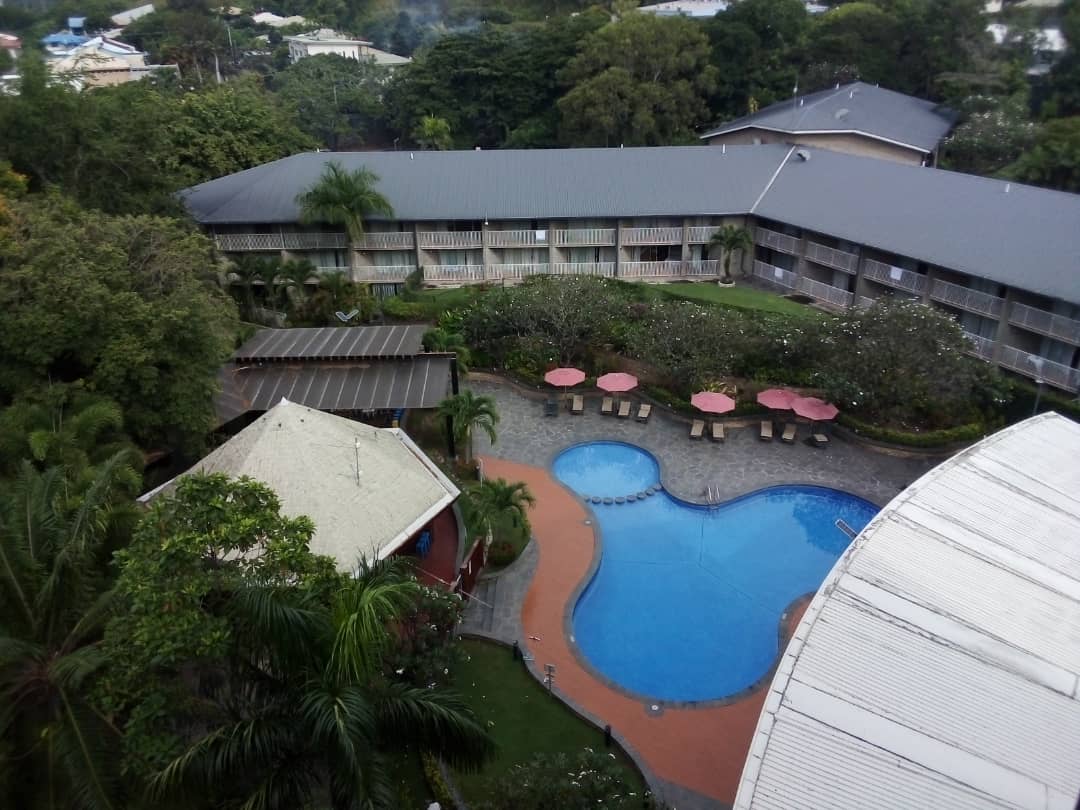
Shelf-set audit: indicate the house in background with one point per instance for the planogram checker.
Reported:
(12, 44)
(706, 9)
(857, 118)
(124, 18)
(100, 62)
(276, 20)
(326, 41)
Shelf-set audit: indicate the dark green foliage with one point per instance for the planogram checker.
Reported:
(935, 439)
(501, 553)
(1054, 160)
(423, 651)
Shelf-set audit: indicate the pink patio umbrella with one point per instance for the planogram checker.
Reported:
(564, 377)
(814, 409)
(617, 382)
(712, 402)
(777, 399)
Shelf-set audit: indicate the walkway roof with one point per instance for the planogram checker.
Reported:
(333, 343)
(938, 666)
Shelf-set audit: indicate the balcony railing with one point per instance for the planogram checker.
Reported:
(451, 239)
(1045, 323)
(398, 240)
(831, 257)
(774, 275)
(700, 233)
(1039, 368)
(776, 240)
(453, 273)
(825, 293)
(864, 302)
(652, 236)
(981, 347)
(377, 274)
(895, 276)
(961, 297)
(330, 269)
(518, 238)
(509, 272)
(583, 269)
(585, 236)
(669, 269)
(241, 242)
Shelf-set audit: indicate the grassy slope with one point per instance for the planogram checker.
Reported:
(737, 297)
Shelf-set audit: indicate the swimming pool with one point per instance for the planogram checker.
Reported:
(687, 600)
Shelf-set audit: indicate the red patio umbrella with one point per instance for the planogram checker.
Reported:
(564, 377)
(814, 409)
(712, 402)
(777, 399)
(617, 382)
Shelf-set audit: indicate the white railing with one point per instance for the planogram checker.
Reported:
(825, 293)
(982, 347)
(669, 269)
(585, 236)
(495, 272)
(1045, 323)
(396, 240)
(451, 239)
(582, 269)
(774, 275)
(895, 276)
(831, 257)
(385, 273)
(1039, 368)
(956, 295)
(700, 233)
(328, 269)
(235, 242)
(315, 241)
(454, 273)
(652, 236)
(863, 302)
(776, 240)
(518, 238)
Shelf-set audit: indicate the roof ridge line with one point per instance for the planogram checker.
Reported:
(775, 174)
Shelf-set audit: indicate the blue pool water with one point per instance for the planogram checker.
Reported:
(686, 602)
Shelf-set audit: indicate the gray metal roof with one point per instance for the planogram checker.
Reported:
(332, 343)
(508, 184)
(1007, 232)
(858, 107)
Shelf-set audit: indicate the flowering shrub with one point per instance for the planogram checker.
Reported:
(424, 652)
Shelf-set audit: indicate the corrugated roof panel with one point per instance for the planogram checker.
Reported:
(333, 343)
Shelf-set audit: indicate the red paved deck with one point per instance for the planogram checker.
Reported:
(702, 749)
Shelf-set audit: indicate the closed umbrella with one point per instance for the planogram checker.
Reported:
(617, 382)
(777, 399)
(814, 409)
(712, 402)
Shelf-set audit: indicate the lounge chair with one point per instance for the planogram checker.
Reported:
(551, 407)
(820, 439)
(789, 433)
(624, 409)
(697, 430)
(607, 406)
(577, 405)
(644, 411)
(717, 433)
(766, 430)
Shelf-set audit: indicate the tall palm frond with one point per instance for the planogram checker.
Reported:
(730, 238)
(466, 412)
(345, 198)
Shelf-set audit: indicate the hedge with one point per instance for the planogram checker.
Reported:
(434, 775)
(929, 439)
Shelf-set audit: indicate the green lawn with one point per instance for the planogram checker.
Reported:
(738, 297)
(525, 720)
(448, 297)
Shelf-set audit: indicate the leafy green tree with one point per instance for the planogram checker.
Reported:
(335, 293)
(1064, 80)
(54, 599)
(729, 238)
(445, 340)
(468, 412)
(994, 133)
(433, 133)
(861, 34)
(642, 80)
(341, 197)
(134, 314)
(1054, 160)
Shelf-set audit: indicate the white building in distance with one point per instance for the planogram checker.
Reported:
(327, 41)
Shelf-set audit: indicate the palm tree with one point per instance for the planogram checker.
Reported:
(54, 598)
(341, 197)
(443, 340)
(466, 411)
(433, 133)
(494, 499)
(315, 717)
(296, 274)
(730, 238)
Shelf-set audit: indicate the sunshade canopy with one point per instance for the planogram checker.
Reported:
(712, 402)
(617, 382)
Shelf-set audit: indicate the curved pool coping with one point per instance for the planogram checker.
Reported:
(594, 566)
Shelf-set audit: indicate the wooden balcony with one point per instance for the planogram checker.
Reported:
(777, 241)
(398, 240)
(831, 257)
(584, 237)
(981, 347)
(825, 293)
(956, 295)
(774, 275)
(697, 234)
(896, 277)
(1031, 365)
(652, 236)
(382, 274)
(1045, 323)
(518, 238)
(670, 269)
(451, 239)
(244, 242)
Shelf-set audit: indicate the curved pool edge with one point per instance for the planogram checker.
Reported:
(594, 565)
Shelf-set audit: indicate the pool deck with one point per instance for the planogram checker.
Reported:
(692, 756)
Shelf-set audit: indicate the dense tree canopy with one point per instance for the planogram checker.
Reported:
(1054, 159)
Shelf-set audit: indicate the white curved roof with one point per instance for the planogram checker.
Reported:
(938, 665)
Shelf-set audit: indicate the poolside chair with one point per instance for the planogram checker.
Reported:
(820, 439)
(644, 411)
(624, 409)
(607, 406)
(551, 407)
(766, 430)
(697, 430)
(789, 433)
(717, 434)
(577, 405)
